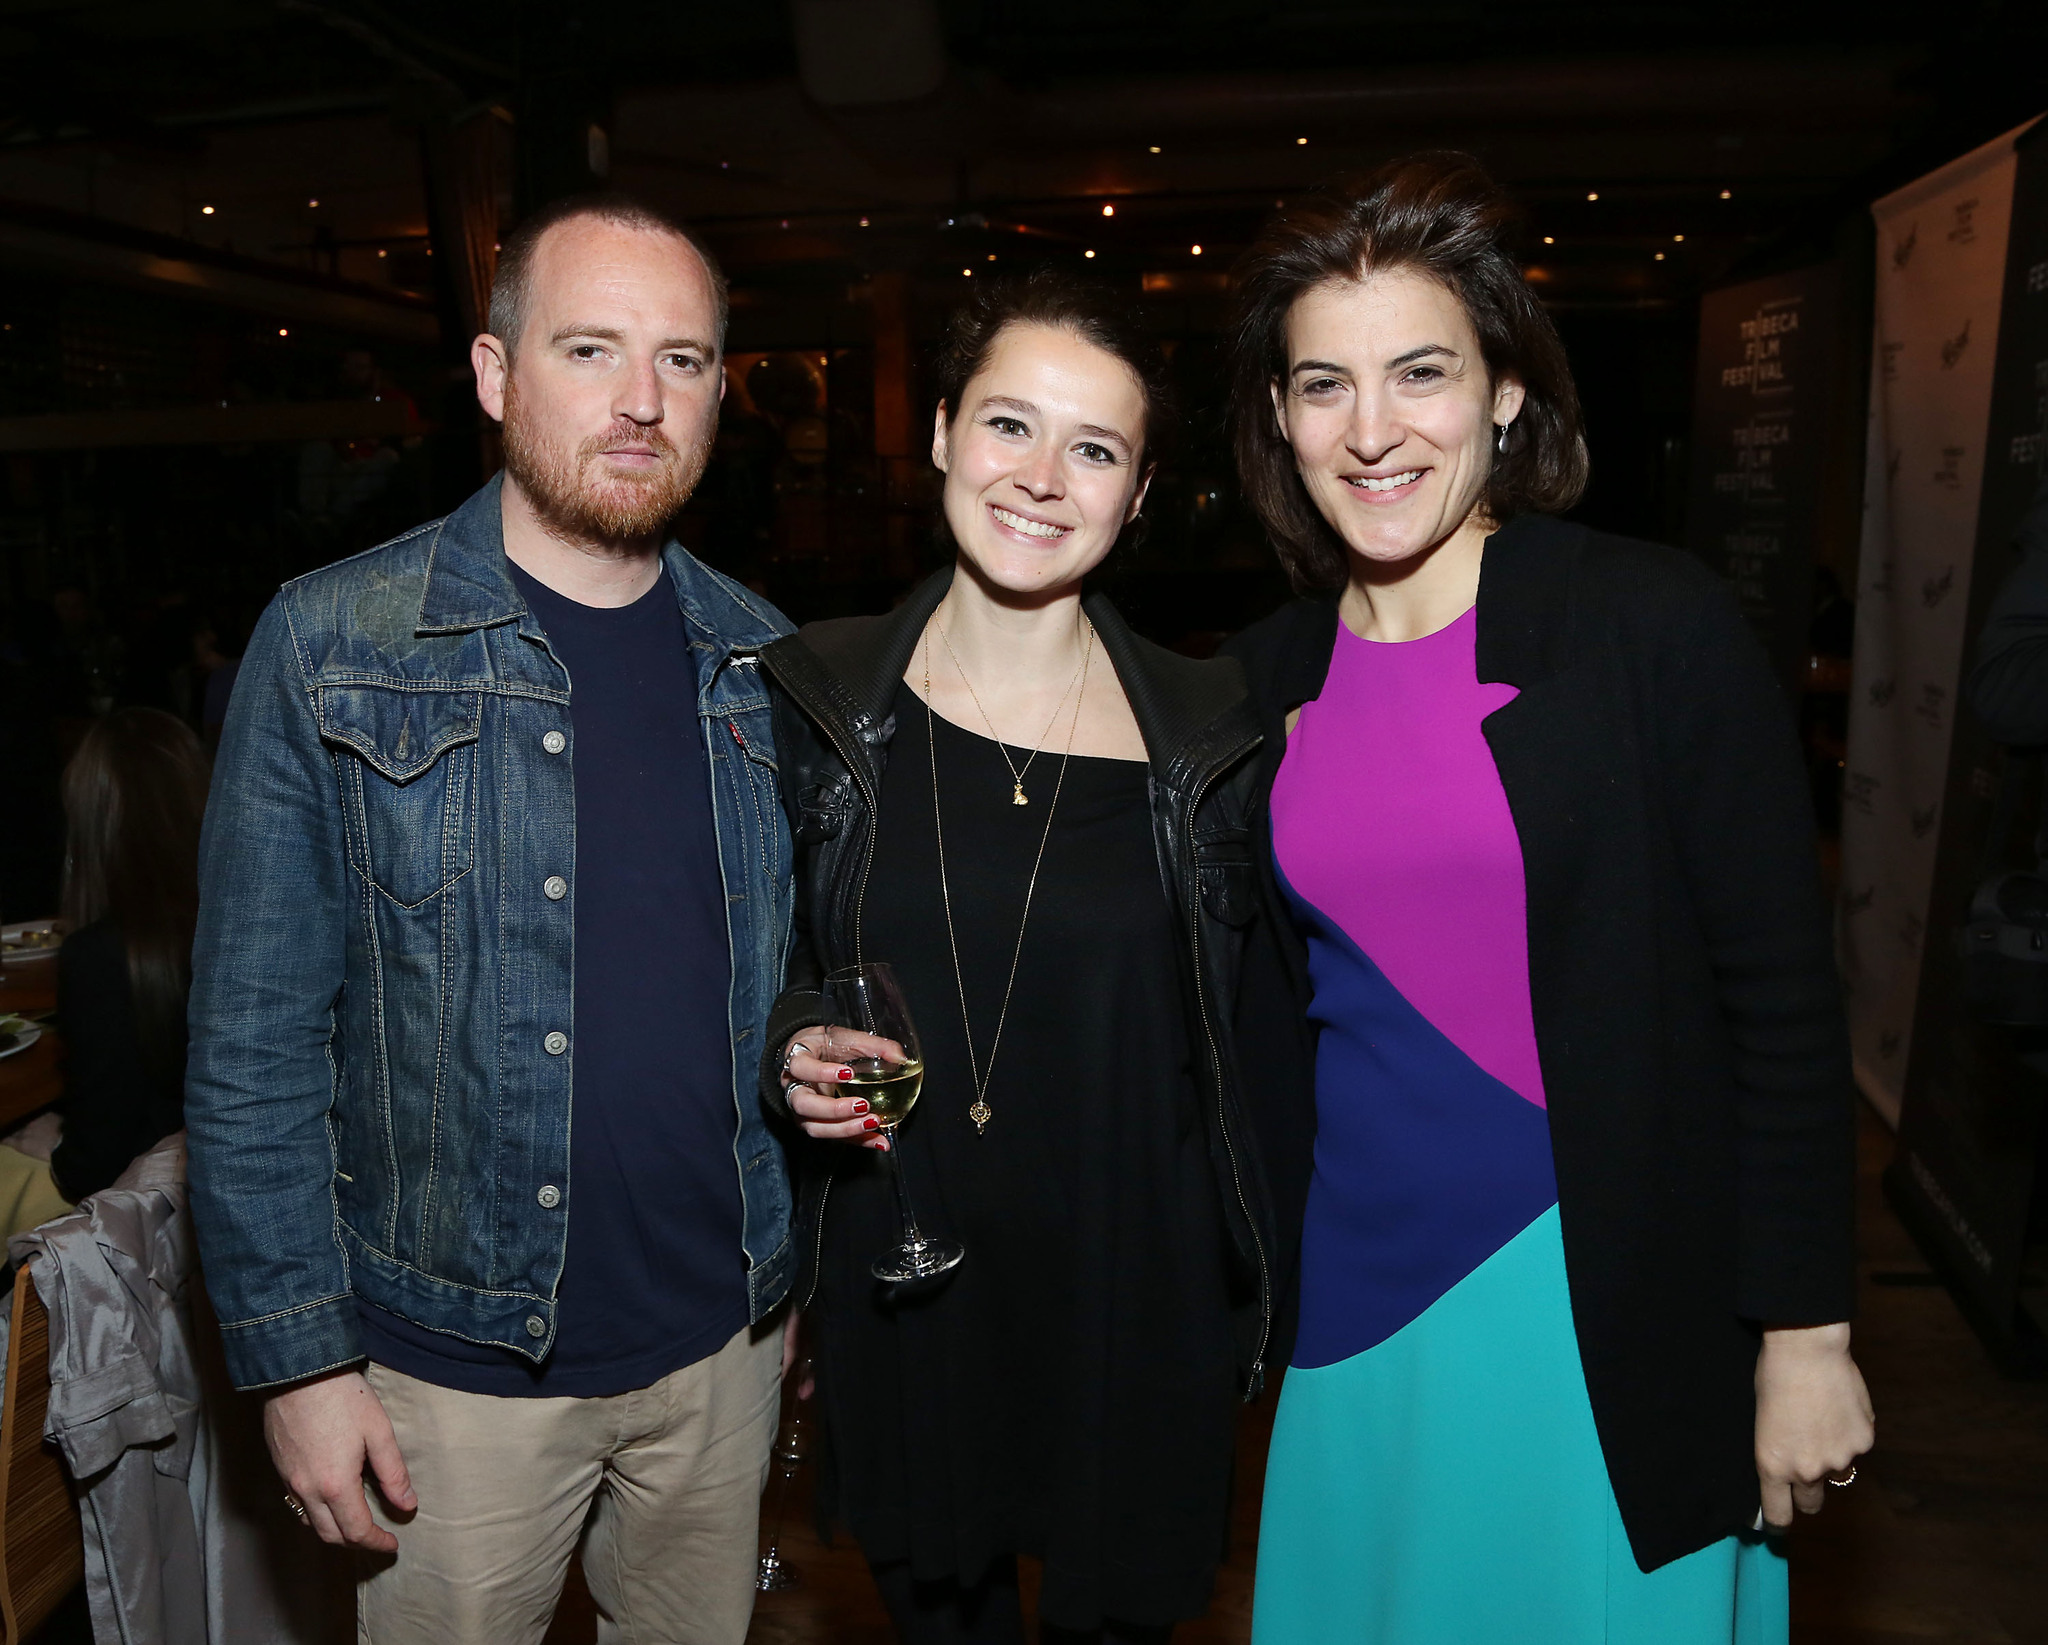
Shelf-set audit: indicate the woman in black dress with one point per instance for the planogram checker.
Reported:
(1037, 818)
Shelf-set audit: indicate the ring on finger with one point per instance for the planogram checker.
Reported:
(1847, 1479)
(789, 1056)
(292, 1502)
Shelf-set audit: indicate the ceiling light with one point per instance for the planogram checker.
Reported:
(1678, 239)
(1195, 251)
(313, 204)
(863, 222)
(1087, 254)
(1155, 148)
(967, 274)
(284, 331)
(381, 252)
(1727, 194)
(206, 211)
(1593, 194)
(1109, 211)
(1660, 256)
(991, 257)
(1550, 239)
(1301, 142)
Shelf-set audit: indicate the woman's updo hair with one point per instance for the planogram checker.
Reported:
(1441, 215)
(1054, 298)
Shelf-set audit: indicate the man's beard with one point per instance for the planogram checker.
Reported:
(573, 502)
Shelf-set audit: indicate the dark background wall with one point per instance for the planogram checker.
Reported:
(243, 246)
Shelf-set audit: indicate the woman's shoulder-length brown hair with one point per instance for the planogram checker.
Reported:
(1442, 215)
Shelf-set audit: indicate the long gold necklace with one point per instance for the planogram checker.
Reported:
(977, 1071)
(1017, 795)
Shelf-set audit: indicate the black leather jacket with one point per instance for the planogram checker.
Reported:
(834, 685)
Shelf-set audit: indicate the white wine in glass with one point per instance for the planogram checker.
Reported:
(869, 1000)
(890, 1087)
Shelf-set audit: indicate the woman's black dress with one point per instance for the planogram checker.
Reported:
(1068, 1390)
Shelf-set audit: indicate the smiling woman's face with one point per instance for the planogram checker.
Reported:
(1044, 459)
(1390, 410)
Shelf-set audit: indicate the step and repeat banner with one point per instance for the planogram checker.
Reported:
(1959, 381)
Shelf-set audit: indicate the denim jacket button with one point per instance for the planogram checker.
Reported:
(549, 1197)
(536, 1326)
(556, 1043)
(555, 887)
(554, 742)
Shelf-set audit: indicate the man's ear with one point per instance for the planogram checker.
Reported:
(721, 382)
(941, 441)
(492, 363)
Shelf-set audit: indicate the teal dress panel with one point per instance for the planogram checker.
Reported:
(1446, 1488)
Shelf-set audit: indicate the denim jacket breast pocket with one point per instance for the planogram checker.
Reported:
(408, 772)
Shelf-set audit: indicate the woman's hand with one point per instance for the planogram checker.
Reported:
(1813, 1418)
(814, 1073)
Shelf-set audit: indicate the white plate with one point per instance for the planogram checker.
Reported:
(26, 956)
(28, 1033)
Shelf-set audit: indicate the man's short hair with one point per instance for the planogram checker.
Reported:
(512, 284)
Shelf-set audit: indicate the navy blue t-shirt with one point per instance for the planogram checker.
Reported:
(655, 1276)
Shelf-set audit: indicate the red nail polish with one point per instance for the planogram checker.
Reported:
(871, 1124)
(844, 1074)
(860, 1105)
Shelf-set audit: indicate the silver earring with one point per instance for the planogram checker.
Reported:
(1500, 440)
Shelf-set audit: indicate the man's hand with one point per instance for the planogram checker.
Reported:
(1813, 1418)
(321, 1433)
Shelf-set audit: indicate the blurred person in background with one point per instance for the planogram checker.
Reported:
(134, 796)
(216, 658)
(1578, 1253)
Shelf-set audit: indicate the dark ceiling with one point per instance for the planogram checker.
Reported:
(1658, 147)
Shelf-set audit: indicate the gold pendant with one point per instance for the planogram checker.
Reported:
(981, 1114)
(1017, 793)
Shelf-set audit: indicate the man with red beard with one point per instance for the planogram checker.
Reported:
(495, 897)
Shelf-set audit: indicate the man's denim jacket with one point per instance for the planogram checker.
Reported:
(382, 1035)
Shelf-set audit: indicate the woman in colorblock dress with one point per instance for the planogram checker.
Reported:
(1576, 1257)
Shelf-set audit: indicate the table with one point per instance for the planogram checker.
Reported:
(27, 989)
(29, 1079)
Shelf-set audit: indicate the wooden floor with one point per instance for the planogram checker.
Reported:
(1944, 1537)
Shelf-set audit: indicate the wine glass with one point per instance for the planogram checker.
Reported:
(869, 1000)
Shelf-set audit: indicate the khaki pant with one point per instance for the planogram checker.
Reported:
(661, 1487)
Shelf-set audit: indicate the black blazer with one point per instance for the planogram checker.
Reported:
(1681, 970)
